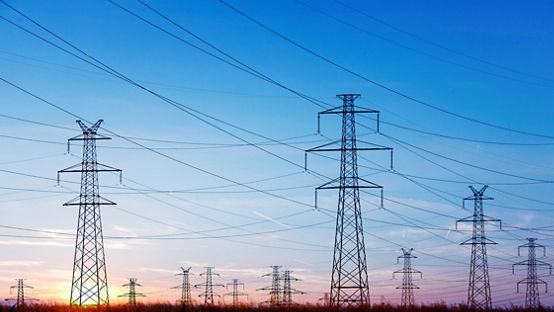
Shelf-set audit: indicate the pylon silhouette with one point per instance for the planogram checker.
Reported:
(209, 286)
(532, 300)
(132, 294)
(325, 299)
(275, 288)
(235, 293)
(20, 300)
(288, 291)
(90, 282)
(185, 287)
(407, 277)
(479, 289)
(349, 279)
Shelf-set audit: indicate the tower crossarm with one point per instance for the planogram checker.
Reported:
(533, 283)
(536, 263)
(409, 271)
(483, 219)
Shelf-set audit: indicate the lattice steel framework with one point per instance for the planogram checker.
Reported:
(186, 297)
(235, 293)
(349, 279)
(479, 289)
(532, 300)
(288, 291)
(275, 288)
(89, 282)
(208, 286)
(325, 299)
(407, 272)
(20, 291)
(132, 294)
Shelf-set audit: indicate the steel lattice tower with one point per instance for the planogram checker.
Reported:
(132, 294)
(532, 281)
(407, 272)
(185, 287)
(89, 283)
(20, 291)
(275, 288)
(235, 293)
(479, 289)
(349, 280)
(208, 286)
(287, 288)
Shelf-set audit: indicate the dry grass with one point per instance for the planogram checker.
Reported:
(166, 307)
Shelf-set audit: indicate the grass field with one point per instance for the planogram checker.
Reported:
(165, 307)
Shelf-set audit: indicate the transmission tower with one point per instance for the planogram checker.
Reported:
(324, 299)
(349, 281)
(275, 288)
(185, 287)
(132, 294)
(235, 292)
(479, 289)
(407, 277)
(89, 283)
(532, 281)
(287, 289)
(208, 286)
(20, 291)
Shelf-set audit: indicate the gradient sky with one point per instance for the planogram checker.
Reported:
(487, 60)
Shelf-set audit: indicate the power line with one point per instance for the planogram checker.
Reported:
(172, 236)
(380, 85)
(155, 151)
(403, 144)
(438, 45)
(463, 162)
(417, 51)
(206, 146)
(190, 111)
(451, 137)
(245, 67)
(267, 142)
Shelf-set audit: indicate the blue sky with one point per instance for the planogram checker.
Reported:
(516, 37)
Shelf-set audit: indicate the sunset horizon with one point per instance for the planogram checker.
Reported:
(276, 154)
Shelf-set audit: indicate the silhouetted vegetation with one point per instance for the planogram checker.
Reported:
(166, 307)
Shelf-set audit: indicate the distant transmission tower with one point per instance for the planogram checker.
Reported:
(324, 299)
(20, 291)
(132, 294)
(89, 283)
(287, 288)
(235, 293)
(208, 286)
(275, 288)
(349, 281)
(185, 287)
(407, 278)
(479, 289)
(532, 281)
